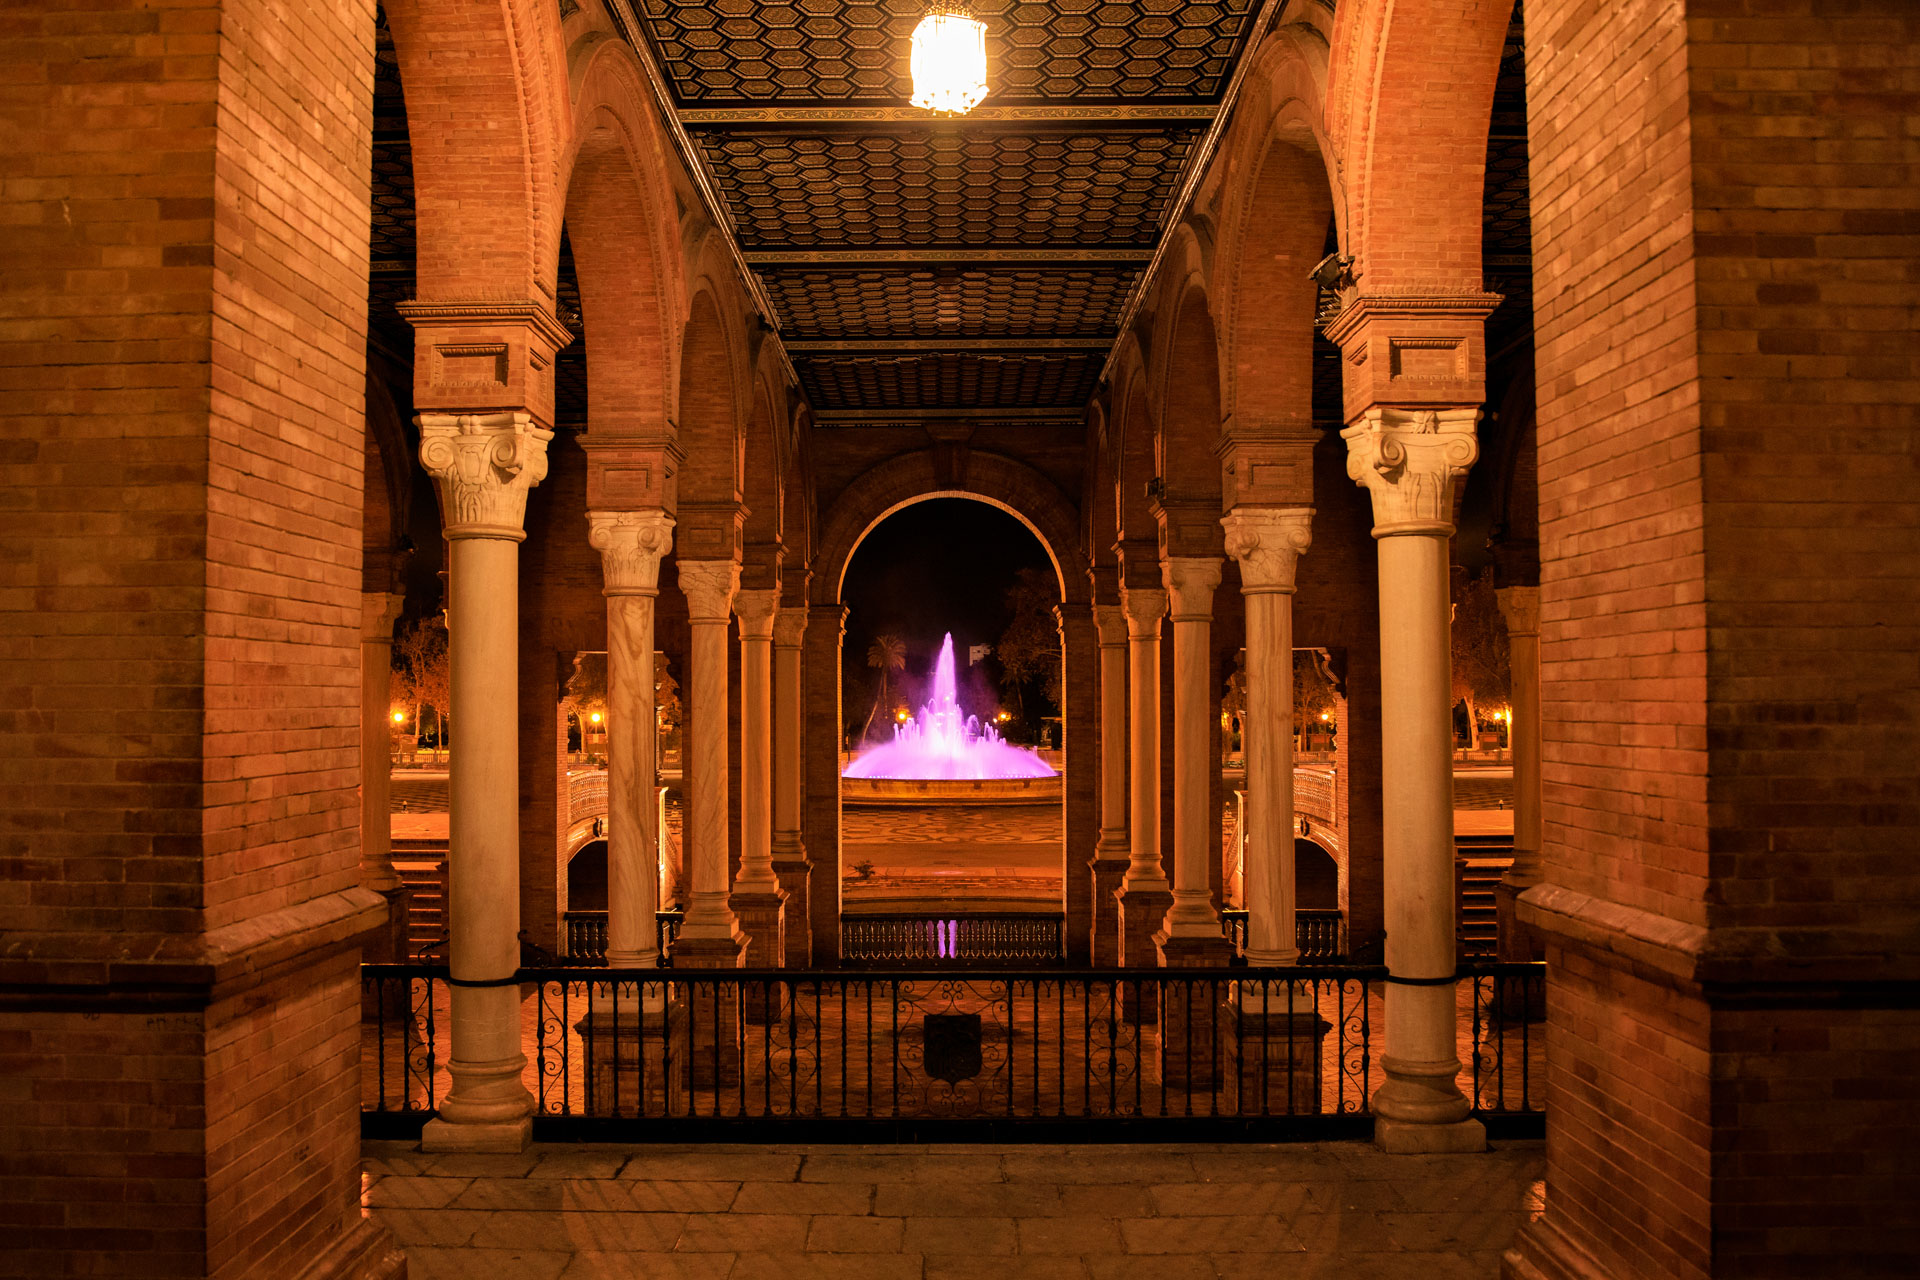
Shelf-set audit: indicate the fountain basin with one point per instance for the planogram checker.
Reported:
(935, 791)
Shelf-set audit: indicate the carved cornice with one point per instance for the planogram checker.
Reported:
(1144, 607)
(790, 627)
(379, 610)
(1191, 582)
(756, 610)
(1360, 309)
(1268, 542)
(709, 586)
(484, 311)
(483, 465)
(631, 545)
(1520, 606)
(1408, 461)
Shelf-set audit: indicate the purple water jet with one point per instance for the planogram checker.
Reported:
(944, 742)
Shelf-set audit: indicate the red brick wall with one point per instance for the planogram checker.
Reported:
(185, 336)
(1724, 241)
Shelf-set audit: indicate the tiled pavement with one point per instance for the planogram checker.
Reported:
(1219, 1212)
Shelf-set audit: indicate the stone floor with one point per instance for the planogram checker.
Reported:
(1222, 1212)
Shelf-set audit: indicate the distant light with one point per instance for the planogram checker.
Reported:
(595, 717)
(949, 59)
(1325, 716)
(399, 717)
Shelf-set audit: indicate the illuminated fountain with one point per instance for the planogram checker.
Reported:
(943, 743)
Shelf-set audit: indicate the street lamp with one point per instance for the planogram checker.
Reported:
(949, 59)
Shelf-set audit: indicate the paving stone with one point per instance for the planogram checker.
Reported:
(1122, 1165)
(1377, 1195)
(1141, 1267)
(646, 1266)
(405, 1192)
(744, 1233)
(804, 1197)
(579, 1162)
(1441, 1232)
(1192, 1235)
(1032, 1267)
(1104, 1199)
(840, 1233)
(902, 1168)
(465, 1164)
(826, 1266)
(583, 1232)
(649, 1165)
(429, 1262)
(973, 1199)
(1219, 1199)
(1070, 1235)
(432, 1226)
(1344, 1232)
(931, 1235)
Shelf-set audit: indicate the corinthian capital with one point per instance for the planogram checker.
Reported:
(379, 610)
(709, 586)
(1268, 542)
(1145, 606)
(631, 545)
(756, 610)
(483, 464)
(1408, 461)
(1112, 621)
(790, 627)
(1520, 606)
(1191, 581)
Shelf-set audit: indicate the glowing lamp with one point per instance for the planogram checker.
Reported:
(949, 59)
(399, 717)
(1325, 716)
(595, 717)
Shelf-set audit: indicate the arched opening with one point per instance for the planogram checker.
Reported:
(952, 733)
(1316, 878)
(587, 878)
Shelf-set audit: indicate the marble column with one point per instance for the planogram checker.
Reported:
(1110, 856)
(1144, 895)
(820, 669)
(484, 464)
(756, 899)
(789, 852)
(1520, 606)
(710, 936)
(1408, 462)
(1267, 542)
(1192, 934)
(631, 545)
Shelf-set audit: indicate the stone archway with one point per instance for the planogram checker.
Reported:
(1021, 491)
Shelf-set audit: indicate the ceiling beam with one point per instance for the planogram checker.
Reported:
(849, 346)
(983, 255)
(1131, 115)
(913, 417)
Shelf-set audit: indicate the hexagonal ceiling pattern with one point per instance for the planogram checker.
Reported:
(933, 266)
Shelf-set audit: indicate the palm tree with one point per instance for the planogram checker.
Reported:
(887, 653)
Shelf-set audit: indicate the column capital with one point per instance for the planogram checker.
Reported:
(756, 608)
(1191, 581)
(709, 586)
(1408, 461)
(379, 610)
(790, 627)
(1520, 606)
(1144, 607)
(483, 465)
(631, 545)
(1268, 543)
(1112, 621)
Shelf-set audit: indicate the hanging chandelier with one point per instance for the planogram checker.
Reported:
(949, 59)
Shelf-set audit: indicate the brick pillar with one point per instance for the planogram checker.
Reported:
(820, 677)
(1080, 736)
(757, 900)
(1729, 582)
(1144, 894)
(1520, 606)
(186, 822)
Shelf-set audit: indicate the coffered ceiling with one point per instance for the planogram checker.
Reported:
(945, 267)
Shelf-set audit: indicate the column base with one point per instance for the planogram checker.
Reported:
(365, 1252)
(795, 937)
(710, 953)
(1411, 1138)
(632, 1066)
(1109, 869)
(1191, 951)
(758, 913)
(1142, 912)
(1541, 1251)
(1279, 1056)
(496, 1137)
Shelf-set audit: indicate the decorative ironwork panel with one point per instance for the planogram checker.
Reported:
(953, 185)
(949, 303)
(949, 381)
(718, 51)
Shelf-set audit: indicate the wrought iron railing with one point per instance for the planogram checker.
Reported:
(1003, 940)
(587, 934)
(940, 1053)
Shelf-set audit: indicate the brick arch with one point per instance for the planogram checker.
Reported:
(763, 484)
(486, 92)
(1131, 441)
(710, 419)
(900, 482)
(1186, 444)
(387, 491)
(619, 217)
(1410, 96)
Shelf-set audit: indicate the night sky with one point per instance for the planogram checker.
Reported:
(937, 566)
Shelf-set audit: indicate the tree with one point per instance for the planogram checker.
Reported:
(887, 654)
(1314, 695)
(1481, 667)
(1029, 649)
(420, 668)
(586, 693)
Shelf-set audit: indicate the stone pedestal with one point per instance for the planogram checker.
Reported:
(789, 854)
(756, 899)
(1145, 896)
(713, 1015)
(1194, 1022)
(1279, 1053)
(631, 1070)
(1111, 854)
